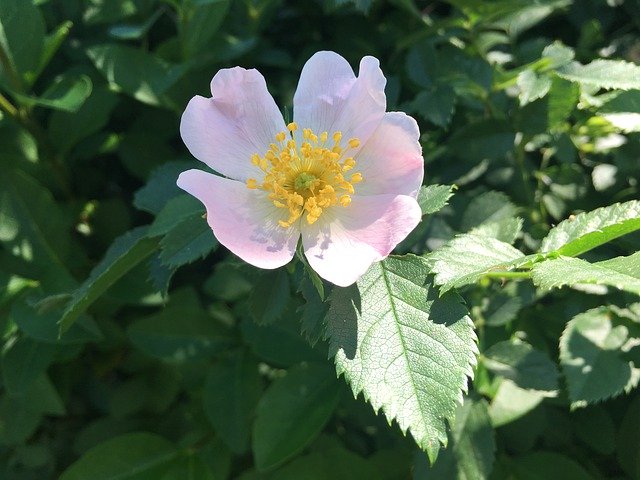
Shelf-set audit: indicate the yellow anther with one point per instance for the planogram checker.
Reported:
(348, 164)
(305, 178)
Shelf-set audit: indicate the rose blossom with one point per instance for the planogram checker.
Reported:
(344, 175)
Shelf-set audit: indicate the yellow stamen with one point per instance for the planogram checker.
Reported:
(307, 178)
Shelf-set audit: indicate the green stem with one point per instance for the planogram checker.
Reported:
(11, 74)
(7, 107)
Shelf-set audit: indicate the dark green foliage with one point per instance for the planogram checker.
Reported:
(504, 343)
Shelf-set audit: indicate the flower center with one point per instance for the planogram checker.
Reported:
(306, 179)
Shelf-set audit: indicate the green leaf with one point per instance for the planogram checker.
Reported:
(199, 25)
(125, 253)
(142, 75)
(592, 357)
(471, 454)
(532, 87)
(41, 324)
(34, 229)
(466, 258)
(527, 367)
(589, 230)
(270, 296)
(179, 334)
(512, 402)
(67, 129)
(332, 463)
(546, 465)
(594, 426)
(133, 456)
(189, 467)
(23, 362)
(561, 101)
(189, 241)
(161, 187)
(66, 93)
(174, 212)
(313, 311)
(435, 104)
(292, 411)
(620, 272)
(231, 393)
(628, 441)
(603, 73)
(493, 215)
(22, 30)
(409, 351)
(432, 198)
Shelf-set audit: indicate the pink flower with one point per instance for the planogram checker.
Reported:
(344, 175)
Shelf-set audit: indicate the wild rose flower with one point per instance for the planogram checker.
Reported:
(344, 174)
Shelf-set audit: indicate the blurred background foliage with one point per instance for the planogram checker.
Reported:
(181, 362)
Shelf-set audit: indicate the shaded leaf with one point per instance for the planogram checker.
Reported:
(189, 241)
(292, 412)
(125, 253)
(407, 350)
(592, 357)
(432, 198)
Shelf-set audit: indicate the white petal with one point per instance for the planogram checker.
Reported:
(344, 242)
(391, 161)
(243, 220)
(330, 98)
(240, 120)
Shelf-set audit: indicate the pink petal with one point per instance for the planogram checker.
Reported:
(391, 161)
(240, 120)
(344, 242)
(243, 220)
(330, 98)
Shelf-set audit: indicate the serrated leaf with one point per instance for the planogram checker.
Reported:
(231, 393)
(466, 258)
(292, 412)
(603, 73)
(175, 211)
(471, 454)
(313, 311)
(131, 456)
(561, 101)
(620, 272)
(527, 367)
(125, 253)
(592, 357)
(589, 230)
(492, 215)
(189, 241)
(161, 187)
(409, 351)
(432, 198)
